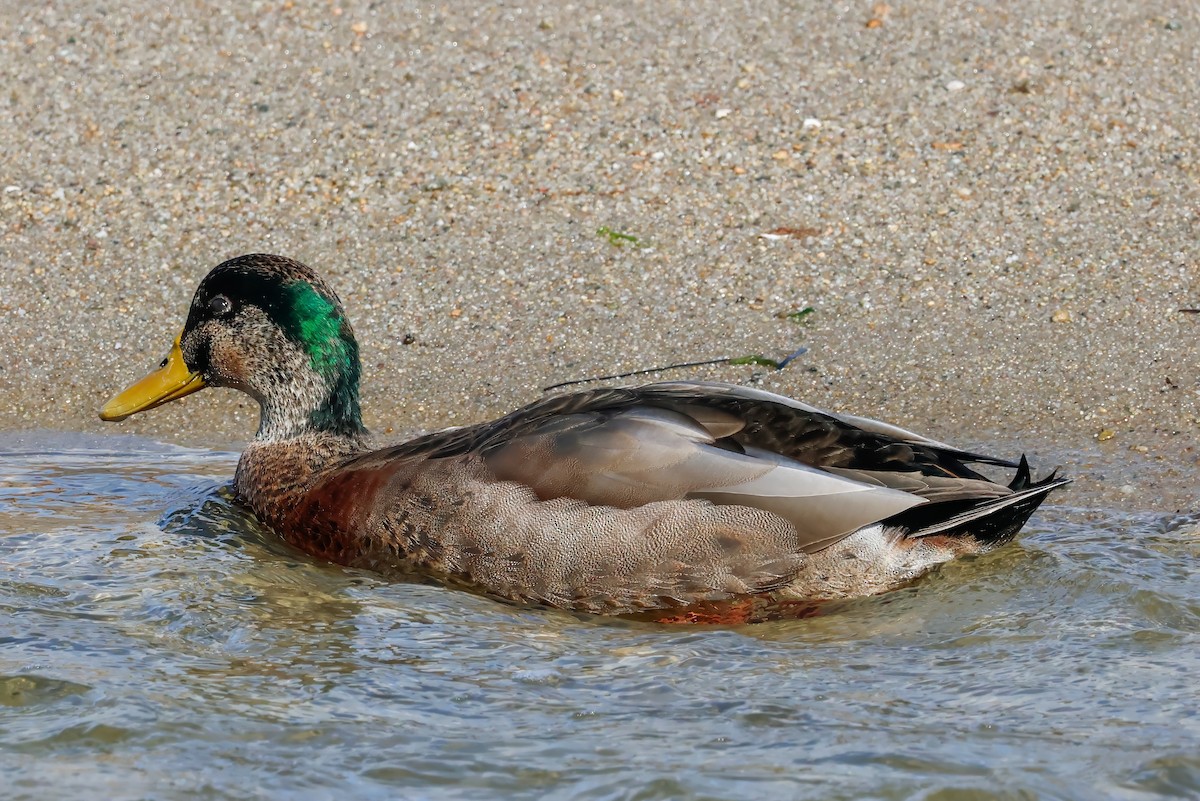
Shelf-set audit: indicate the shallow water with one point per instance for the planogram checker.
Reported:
(154, 642)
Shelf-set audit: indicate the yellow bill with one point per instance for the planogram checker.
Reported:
(169, 382)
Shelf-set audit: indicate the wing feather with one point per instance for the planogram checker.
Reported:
(646, 454)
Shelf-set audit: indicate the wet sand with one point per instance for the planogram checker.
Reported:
(993, 210)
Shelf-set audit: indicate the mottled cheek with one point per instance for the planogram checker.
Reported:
(228, 364)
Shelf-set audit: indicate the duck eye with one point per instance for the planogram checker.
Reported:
(219, 306)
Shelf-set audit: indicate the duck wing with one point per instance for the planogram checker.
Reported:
(827, 474)
(643, 453)
(826, 439)
(615, 500)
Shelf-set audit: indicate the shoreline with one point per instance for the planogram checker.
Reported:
(992, 210)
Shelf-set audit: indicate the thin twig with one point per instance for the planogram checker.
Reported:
(735, 360)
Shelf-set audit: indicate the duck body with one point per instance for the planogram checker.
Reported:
(680, 501)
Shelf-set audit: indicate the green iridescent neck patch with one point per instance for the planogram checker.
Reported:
(316, 324)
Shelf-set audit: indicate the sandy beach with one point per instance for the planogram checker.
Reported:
(993, 209)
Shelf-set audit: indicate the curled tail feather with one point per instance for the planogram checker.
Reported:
(993, 522)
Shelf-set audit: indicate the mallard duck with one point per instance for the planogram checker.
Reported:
(679, 501)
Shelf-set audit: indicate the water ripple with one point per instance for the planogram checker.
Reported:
(159, 643)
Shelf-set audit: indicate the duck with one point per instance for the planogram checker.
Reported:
(676, 502)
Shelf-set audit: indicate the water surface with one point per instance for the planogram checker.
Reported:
(156, 643)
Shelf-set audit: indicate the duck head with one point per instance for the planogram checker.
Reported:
(272, 328)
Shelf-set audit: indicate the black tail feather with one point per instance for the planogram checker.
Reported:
(1023, 479)
(993, 522)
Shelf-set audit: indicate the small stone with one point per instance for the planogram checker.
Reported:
(722, 113)
(955, 86)
(879, 15)
(1061, 316)
(810, 122)
(1105, 434)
